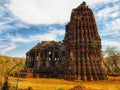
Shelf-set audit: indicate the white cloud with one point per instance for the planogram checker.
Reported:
(114, 25)
(109, 19)
(113, 34)
(108, 12)
(5, 28)
(47, 11)
(44, 37)
(112, 29)
(111, 43)
(52, 11)
(40, 11)
(7, 21)
(6, 25)
(19, 39)
(16, 38)
(58, 32)
(9, 42)
(6, 48)
(51, 35)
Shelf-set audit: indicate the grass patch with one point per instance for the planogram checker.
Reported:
(57, 84)
(60, 88)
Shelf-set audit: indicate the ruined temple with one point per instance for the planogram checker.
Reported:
(46, 59)
(77, 57)
(83, 45)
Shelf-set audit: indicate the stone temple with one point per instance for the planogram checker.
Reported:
(77, 57)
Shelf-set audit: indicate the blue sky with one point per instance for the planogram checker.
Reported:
(24, 23)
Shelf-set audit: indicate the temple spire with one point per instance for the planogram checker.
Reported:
(80, 38)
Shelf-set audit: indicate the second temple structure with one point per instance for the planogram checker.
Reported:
(77, 57)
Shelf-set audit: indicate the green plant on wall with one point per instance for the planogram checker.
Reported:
(94, 44)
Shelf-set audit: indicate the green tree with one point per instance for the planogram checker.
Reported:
(6, 63)
(112, 60)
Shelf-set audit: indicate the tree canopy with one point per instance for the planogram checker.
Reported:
(112, 60)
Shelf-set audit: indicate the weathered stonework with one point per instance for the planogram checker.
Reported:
(78, 57)
(83, 45)
(46, 59)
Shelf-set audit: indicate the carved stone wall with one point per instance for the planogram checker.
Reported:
(46, 59)
(83, 46)
(78, 57)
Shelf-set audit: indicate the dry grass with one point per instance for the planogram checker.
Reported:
(57, 84)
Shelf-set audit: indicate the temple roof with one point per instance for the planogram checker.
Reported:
(44, 44)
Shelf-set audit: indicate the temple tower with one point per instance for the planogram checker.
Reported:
(83, 46)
